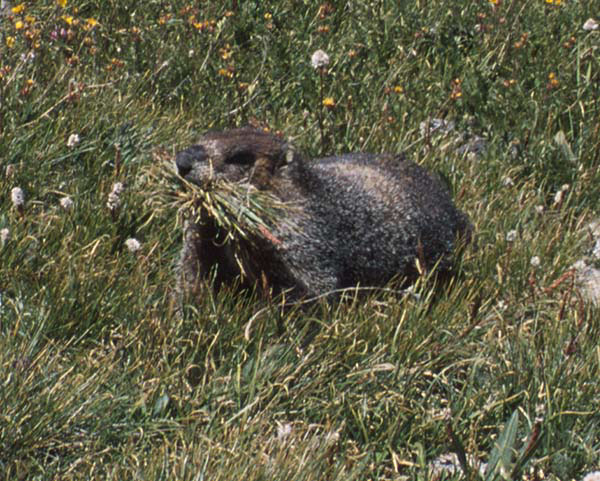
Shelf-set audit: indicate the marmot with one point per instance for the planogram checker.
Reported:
(356, 219)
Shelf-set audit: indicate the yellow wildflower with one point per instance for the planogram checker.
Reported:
(68, 19)
(164, 19)
(328, 102)
(19, 24)
(225, 52)
(456, 89)
(204, 26)
(92, 22)
(552, 80)
(30, 19)
(62, 3)
(398, 89)
(268, 16)
(10, 42)
(225, 73)
(18, 8)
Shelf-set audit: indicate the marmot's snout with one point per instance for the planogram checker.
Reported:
(186, 159)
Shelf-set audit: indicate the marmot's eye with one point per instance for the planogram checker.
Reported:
(241, 158)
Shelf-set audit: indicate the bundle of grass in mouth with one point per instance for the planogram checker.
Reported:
(235, 214)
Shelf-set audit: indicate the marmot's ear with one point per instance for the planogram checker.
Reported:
(262, 173)
(266, 166)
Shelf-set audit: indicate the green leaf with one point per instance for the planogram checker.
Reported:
(502, 454)
(160, 406)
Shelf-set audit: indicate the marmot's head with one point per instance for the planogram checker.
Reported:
(239, 155)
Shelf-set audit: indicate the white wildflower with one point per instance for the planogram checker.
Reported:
(511, 235)
(283, 431)
(133, 244)
(18, 197)
(448, 464)
(540, 412)
(507, 182)
(4, 235)
(593, 476)
(118, 188)
(560, 195)
(540, 409)
(539, 209)
(66, 203)
(437, 126)
(113, 202)
(114, 198)
(535, 261)
(590, 24)
(27, 57)
(72, 141)
(319, 59)
(191, 53)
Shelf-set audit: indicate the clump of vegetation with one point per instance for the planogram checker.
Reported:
(237, 208)
(104, 377)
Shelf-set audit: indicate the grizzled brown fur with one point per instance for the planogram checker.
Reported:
(355, 219)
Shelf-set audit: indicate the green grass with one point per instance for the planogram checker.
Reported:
(103, 377)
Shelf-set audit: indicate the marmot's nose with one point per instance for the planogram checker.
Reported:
(184, 163)
(186, 159)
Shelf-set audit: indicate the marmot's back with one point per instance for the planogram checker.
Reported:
(356, 219)
(372, 216)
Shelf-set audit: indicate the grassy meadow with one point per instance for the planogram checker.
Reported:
(104, 376)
